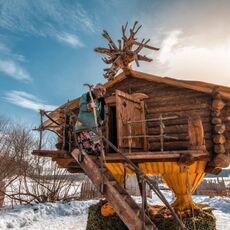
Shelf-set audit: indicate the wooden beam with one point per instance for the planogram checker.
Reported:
(148, 156)
(51, 153)
(65, 158)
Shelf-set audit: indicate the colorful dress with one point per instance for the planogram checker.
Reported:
(87, 136)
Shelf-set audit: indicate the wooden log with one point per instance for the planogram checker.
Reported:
(216, 121)
(216, 113)
(51, 153)
(219, 149)
(177, 121)
(137, 85)
(179, 145)
(178, 129)
(226, 118)
(185, 114)
(175, 108)
(221, 161)
(168, 101)
(219, 128)
(213, 170)
(226, 122)
(219, 139)
(227, 135)
(165, 98)
(218, 104)
(225, 111)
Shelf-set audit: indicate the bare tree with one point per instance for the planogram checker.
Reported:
(7, 161)
(28, 178)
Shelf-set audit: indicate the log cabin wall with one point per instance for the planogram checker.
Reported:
(169, 100)
(221, 134)
(225, 118)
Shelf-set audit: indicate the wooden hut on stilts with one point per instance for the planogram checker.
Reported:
(179, 130)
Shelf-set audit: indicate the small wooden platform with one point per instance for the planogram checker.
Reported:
(65, 160)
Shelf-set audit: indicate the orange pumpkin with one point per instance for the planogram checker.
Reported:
(107, 210)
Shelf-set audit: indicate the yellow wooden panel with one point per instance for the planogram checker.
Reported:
(182, 181)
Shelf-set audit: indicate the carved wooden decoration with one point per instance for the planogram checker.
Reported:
(121, 55)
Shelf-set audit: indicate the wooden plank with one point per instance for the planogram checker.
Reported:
(51, 153)
(128, 108)
(137, 156)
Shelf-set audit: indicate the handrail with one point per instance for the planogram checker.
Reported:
(161, 136)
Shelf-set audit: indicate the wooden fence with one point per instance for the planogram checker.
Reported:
(214, 187)
(88, 190)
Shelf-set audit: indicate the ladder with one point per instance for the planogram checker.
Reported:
(123, 204)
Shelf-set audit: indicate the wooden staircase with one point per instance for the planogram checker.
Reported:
(126, 208)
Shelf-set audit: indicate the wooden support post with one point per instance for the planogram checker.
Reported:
(162, 127)
(144, 126)
(142, 188)
(41, 129)
(144, 201)
(125, 174)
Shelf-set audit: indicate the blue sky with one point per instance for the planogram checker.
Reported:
(46, 46)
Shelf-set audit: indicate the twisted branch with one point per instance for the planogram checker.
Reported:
(122, 55)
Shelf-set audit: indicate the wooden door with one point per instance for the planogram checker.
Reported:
(129, 108)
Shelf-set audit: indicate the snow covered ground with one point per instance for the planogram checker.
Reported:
(73, 215)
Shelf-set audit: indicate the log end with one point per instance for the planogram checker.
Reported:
(219, 148)
(221, 161)
(213, 170)
(218, 104)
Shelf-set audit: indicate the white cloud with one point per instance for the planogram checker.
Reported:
(5, 51)
(26, 100)
(178, 58)
(70, 39)
(168, 45)
(46, 18)
(14, 70)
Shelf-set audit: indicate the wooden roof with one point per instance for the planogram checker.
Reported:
(204, 87)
